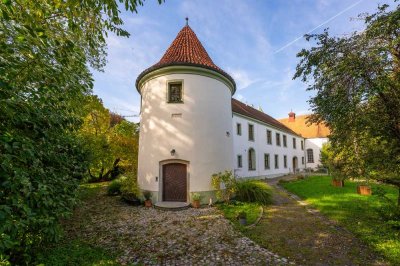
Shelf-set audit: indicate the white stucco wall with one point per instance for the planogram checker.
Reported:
(242, 145)
(196, 129)
(315, 144)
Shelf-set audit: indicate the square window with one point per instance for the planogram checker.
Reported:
(276, 161)
(294, 143)
(175, 92)
(284, 141)
(285, 161)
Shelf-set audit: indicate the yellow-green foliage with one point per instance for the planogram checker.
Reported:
(224, 184)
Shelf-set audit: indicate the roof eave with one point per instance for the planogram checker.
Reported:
(185, 68)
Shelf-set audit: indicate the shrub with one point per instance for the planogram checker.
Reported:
(253, 191)
(241, 215)
(114, 188)
(129, 185)
(224, 184)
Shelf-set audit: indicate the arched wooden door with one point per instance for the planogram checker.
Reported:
(174, 182)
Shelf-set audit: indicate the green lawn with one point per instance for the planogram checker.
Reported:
(231, 211)
(360, 214)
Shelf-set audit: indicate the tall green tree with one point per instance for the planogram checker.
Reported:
(46, 49)
(357, 83)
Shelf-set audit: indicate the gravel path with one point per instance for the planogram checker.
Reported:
(155, 237)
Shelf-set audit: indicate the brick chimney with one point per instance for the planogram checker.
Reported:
(292, 116)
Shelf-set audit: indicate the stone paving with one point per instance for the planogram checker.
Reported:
(156, 237)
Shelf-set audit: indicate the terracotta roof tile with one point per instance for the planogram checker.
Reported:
(243, 109)
(186, 49)
(300, 126)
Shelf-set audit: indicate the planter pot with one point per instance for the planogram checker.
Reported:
(242, 221)
(337, 183)
(196, 204)
(148, 204)
(364, 190)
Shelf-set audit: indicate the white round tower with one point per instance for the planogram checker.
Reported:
(185, 122)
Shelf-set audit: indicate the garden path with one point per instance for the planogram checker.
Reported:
(303, 235)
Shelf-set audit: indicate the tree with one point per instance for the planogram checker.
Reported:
(46, 49)
(111, 140)
(357, 84)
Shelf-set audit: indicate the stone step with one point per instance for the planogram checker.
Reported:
(171, 205)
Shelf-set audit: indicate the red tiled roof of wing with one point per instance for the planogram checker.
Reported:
(243, 109)
(186, 49)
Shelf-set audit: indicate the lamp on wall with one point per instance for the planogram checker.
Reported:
(172, 152)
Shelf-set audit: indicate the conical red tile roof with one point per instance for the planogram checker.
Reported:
(186, 49)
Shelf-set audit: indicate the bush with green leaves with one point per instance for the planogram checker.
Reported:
(129, 185)
(224, 185)
(253, 191)
(114, 188)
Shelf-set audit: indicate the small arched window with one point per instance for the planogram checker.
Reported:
(252, 159)
(310, 156)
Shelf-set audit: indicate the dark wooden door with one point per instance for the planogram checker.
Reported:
(174, 182)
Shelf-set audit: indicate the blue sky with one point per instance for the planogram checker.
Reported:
(255, 41)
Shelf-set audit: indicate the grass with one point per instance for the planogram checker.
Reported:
(74, 249)
(360, 214)
(76, 253)
(232, 209)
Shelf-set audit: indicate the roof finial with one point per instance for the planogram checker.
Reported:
(187, 21)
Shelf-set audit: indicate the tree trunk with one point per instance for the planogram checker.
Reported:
(115, 164)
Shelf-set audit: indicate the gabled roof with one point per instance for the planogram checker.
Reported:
(301, 127)
(248, 111)
(186, 50)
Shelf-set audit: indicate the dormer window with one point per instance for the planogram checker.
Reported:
(175, 92)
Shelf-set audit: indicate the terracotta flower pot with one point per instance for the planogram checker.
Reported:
(196, 204)
(364, 190)
(337, 183)
(147, 203)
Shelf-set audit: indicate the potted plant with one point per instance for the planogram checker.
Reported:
(364, 188)
(336, 182)
(242, 217)
(196, 200)
(147, 199)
